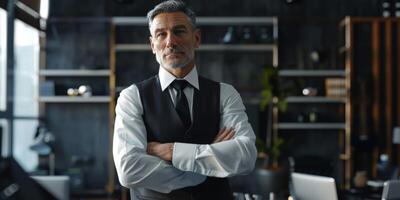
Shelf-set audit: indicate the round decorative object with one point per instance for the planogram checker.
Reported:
(310, 91)
(72, 92)
(85, 90)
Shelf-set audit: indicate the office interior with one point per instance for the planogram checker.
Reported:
(319, 79)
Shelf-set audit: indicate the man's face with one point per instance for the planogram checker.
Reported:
(173, 40)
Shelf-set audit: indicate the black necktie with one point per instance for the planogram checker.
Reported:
(182, 106)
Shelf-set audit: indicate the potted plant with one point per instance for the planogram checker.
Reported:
(273, 99)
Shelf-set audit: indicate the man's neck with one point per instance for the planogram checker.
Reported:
(180, 72)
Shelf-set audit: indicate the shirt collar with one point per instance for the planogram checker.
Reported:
(167, 78)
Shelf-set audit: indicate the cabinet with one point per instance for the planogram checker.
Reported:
(369, 50)
(313, 121)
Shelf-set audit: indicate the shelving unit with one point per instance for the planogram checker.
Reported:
(85, 117)
(73, 73)
(45, 74)
(342, 128)
(370, 45)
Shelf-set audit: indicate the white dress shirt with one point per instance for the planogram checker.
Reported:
(191, 163)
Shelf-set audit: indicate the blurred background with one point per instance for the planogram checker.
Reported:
(319, 80)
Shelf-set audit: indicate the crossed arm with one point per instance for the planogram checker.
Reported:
(164, 150)
(142, 164)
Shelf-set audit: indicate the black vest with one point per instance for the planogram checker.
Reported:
(164, 125)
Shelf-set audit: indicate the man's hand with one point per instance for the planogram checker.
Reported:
(163, 151)
(224, 134)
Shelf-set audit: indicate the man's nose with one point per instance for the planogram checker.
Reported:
(171, 40)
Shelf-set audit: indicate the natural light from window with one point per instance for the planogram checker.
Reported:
(25, 106)
(3, 64)
(44, 9)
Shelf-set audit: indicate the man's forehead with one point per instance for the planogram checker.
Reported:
(170, 20)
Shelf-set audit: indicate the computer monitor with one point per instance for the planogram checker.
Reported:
(312, 187)
(391, 190)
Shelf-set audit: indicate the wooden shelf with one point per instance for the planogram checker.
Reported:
(344, 157)
(132, 47)
(237, 47)
(68, 99)
(74, 72)
(311, 73)
(237, 21)
(128, 21)
(310, 126)
(203, 47)
(303, 99)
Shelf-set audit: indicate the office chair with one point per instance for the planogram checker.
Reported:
(391, 190)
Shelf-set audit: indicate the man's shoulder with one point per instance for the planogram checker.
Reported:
(222, 85)
(204, 80)
(136, 87)
(146, 82)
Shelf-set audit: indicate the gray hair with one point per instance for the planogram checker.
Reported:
(169, 7)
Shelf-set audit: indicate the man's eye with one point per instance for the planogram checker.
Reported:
(160, 35)
(179, 32)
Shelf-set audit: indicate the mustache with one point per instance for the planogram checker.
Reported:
(174, 50)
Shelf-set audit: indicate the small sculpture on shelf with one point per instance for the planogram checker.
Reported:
(230, 36)
(83, 90)
(310, 91)
(43, 146)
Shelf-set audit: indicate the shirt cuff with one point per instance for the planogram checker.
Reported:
(183, 156)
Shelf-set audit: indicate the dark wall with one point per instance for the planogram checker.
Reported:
(299, 8)
(304, 26)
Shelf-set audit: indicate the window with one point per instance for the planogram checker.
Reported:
(3, 64)
(25, 106)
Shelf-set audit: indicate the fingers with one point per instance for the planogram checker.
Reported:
(224, 134)
(220, 135)
(161, 150)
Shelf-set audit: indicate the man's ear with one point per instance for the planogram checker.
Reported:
(197, 37)
(152, 45)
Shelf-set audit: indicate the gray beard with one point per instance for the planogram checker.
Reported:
(175, 66)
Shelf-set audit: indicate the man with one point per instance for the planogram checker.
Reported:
(170, 140)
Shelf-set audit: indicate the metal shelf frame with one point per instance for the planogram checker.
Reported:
(74, 72)
(74, 99)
